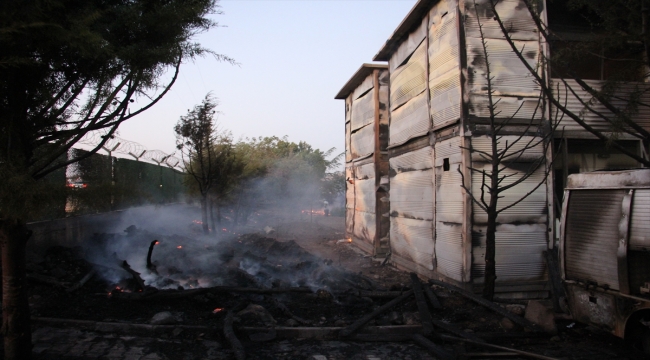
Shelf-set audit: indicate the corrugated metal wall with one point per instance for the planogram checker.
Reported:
(349, 199)
(591, 236)
(640, 221)
(364, 209)
(411, 207)
(449, 209)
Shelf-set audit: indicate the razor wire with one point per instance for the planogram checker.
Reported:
(136, 150)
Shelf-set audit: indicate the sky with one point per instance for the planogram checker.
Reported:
(293, 57)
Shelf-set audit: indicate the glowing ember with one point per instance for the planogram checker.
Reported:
(217, 310)
(157, 242)
(350, 240)
(197, 222)
(179, 247)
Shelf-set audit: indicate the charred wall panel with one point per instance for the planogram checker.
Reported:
(449, 209)
(444, 64)
(409, 80)
(409, 121)
(519, 252)
(411, 207)
(365, 201)
(623, 93)
(408, 46)
(640, 221)
(591, 236)
(349, 199)
(362, 142)
(363, 110)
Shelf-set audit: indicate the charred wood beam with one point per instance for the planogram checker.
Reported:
(434, 349)
(555, 279)
(150, 266)
(488, 304)
(433, 299)
(380, 337)
(453, 329)
(373, 294)
(47, 280)
(285, 310)
(423, 309)
(153, 295)
(498, 347)
(83, 281)
(359, 323)
(229, 333)
(136, 275)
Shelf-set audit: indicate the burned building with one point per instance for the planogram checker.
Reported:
(437, 113)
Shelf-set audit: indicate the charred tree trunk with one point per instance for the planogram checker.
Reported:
(490, 255)
(214, 228)
(16, 328)
(204, 214)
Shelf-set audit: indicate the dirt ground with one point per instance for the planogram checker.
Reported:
(312, 242)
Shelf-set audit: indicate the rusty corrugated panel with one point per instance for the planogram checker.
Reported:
(642, 117)
(409, 121)
(364, 226)
(409, 80)
(445, 98)
(412, 240)
(510, 76)
(531, 209)
(591, 236)
(363, 110)
(640, 221)
(519, 252)
(362, 142)
(449, 250)
(515, 146)
(348, 152)
(349, 199)
(408, 45)
(513, 13)
(412, 185)
(521, 108)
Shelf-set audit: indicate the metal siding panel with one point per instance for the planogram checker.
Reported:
(519, 108)
(640, 221)
(416, 160)
(449, 250)
(443, 45)
(591, 236)
(516, 145)
(512, 12)
(531, 209)
(409, 121)
(445, 98)
(449, 195)
(624, 90)
(510, 76)
(412, 239)
(363, 110)
(349, 199)
(411, 195)
(365, 195)
(366, 171)
(348, 152)
(364, 226)
(519, 252)
(409, 80)
(362, 142)
(349, 221)
(408, 46)
(366, 85)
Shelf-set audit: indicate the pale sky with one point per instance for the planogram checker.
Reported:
(294, 57)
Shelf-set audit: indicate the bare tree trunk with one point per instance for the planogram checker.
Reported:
(204, 214)
(16, 328)
(490, 254)
(214, 228)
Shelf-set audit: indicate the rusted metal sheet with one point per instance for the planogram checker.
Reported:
(364, 226)
(519, 109)
(519, 252)
(409, 121)
(362, 142)
(510, 76)
(531, 210)
(591, 236)
(443, 40)
(363, 110)
(409, 80)
(516, 145)
(449, 250)
(412, 240)
(640, 221)
(445, 99)
(573, 103)
(349, 199)
(512, 12)
(348, 152)
(590, 307)
(408, 46)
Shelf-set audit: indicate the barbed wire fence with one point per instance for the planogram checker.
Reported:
(136, 150)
